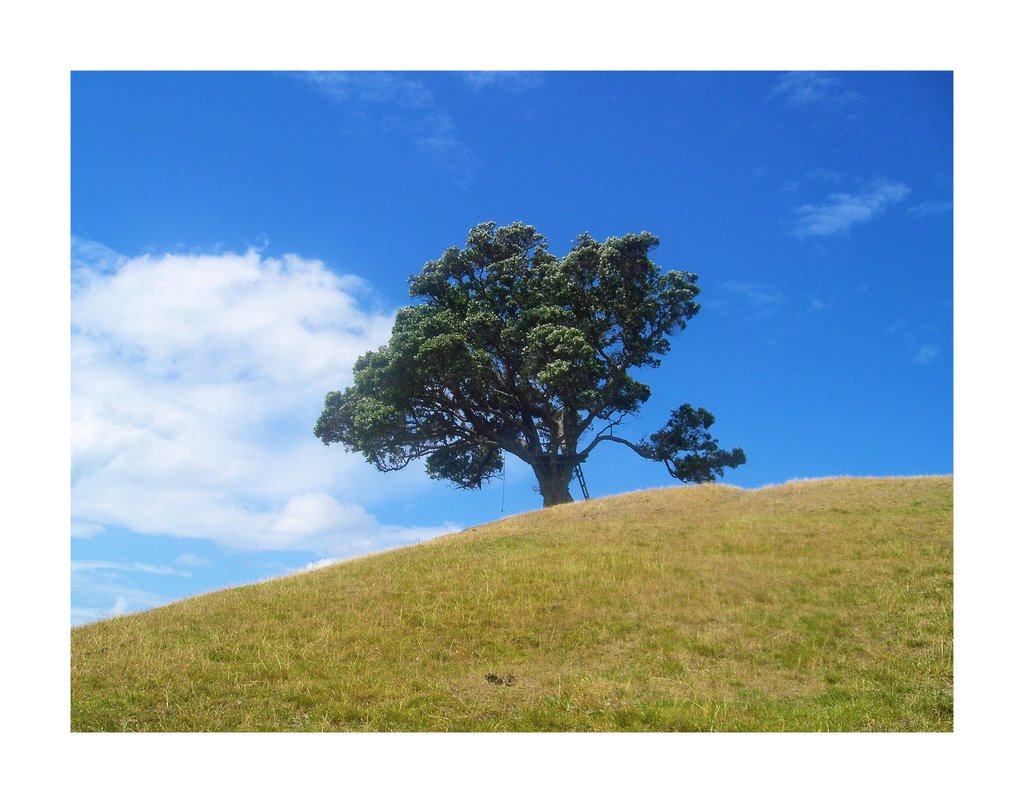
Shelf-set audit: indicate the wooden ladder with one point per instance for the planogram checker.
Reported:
(583, 483)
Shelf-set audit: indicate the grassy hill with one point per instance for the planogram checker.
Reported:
(815, 605)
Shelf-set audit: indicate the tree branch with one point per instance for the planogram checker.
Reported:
(613, 439)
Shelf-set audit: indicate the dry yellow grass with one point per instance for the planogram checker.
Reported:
(815, 605)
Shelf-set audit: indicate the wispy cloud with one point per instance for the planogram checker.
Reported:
(750, 300)
(188, 559)
(926, 354)
(195, 383)
(112, 566)
(93, 257)
(842, 210)
(813, 89)
(86, 529)
(930, 208)
(84, 614)
(372, 87)
(103, 591)
(821, 175)
(388, 101)
(101, 597)
(509, 80)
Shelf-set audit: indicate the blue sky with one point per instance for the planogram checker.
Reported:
(238, 239)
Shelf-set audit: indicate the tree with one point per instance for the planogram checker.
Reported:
(513, 350)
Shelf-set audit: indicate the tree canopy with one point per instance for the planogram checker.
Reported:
(512, 350)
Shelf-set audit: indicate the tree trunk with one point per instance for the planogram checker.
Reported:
(554, 483)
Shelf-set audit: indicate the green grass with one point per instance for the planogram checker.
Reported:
(811, 606)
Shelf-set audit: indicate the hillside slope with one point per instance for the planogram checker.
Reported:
(815, 605)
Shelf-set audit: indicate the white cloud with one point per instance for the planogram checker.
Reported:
(402, 537)
(85, 529)
(112, 566)
(751, 300)
(821, 175)
(371, 87)
(813, 89)
(930, 208)
(926, 354)
(93, 256)
(196, 380)
(319, 564)
(843, 210)
(84, 614)
(188, 559)
(512, 80)
(100, 598)
(383, 102)
(120, 607)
